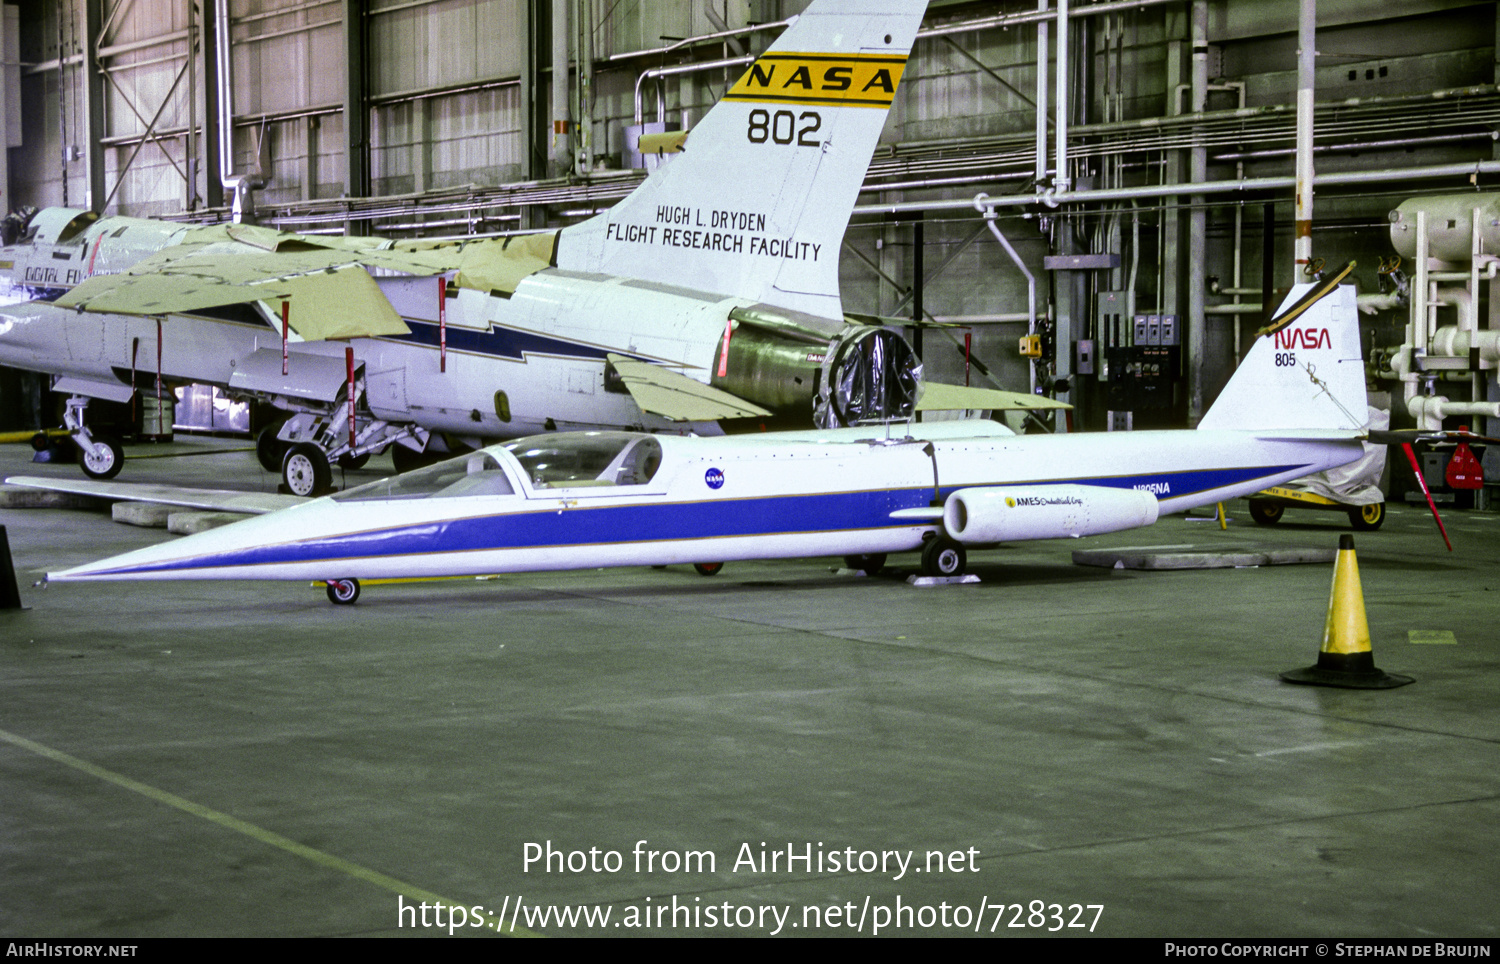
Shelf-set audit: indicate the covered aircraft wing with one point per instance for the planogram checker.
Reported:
(340, 301)
(673, 395)
(330, 293)
(325, 281)
(937, 396)
(501, 264)
(209, 500)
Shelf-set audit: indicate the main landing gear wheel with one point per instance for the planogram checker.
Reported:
(270, 451)
(871, 563)
(102, 460)
(1367, 518)
(343, 592)
(305, 470)
(708, 568)
(1265, 513)
(352, 462)
(943, 557)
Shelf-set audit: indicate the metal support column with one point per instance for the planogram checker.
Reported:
(1197, 327)
(10, 92)
(917, 272)
(1170, 278)
(562, 142)
(92, 81)
(1306, 71)
(206, 106)
(356, 108)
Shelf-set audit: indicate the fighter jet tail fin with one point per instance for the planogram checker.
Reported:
(757, 202)
(1305, 371)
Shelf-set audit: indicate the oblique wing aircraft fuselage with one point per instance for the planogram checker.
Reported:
(574, 500)
(584, 500)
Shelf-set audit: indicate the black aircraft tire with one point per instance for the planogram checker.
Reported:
(343, 592)
(1265, 513)
(305, 470)
(871, 563)
(944, 558)
(353, 463)
(270, 451)
(708, 568)
(105, 460)
(1367, 518)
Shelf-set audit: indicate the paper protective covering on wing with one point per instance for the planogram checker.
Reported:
(673, 395)
(330, 293)
(502, 264)
(941, 397)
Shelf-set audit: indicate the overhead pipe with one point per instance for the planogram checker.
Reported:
(1362, 146)
(1043, 13)
(242, 185)
(692, 68)
(1242, 185)
(1060, 180)
(226, 91)
(1041, 97)
(981, 204)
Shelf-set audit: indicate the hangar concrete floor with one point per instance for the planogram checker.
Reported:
(246, 759)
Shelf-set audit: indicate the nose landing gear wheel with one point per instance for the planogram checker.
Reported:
(103, 460)
(343, 592)
(943, 557)
(708, 568)
(305, 470)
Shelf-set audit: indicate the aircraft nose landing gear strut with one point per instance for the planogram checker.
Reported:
(100, 456)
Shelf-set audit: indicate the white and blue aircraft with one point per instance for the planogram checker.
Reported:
(592, 499)
(707, 296)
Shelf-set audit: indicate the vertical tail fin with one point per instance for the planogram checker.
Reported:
(757, 203)
(1305, 371)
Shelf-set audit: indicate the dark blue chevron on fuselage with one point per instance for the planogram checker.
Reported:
(502, 342)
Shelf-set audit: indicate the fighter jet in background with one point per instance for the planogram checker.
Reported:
(709, 295)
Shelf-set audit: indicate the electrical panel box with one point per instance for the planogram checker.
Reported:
(1114, 308)
(1156, 330)
(1143, 382)
(1031, 346)
(1083, 364)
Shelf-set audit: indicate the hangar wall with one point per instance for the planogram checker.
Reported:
(434, 117)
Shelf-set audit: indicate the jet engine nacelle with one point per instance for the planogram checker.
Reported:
(1014, 513)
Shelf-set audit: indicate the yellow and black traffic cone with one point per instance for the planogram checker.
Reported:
(1345, 659)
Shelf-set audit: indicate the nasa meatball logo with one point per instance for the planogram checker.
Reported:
(714, 478)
